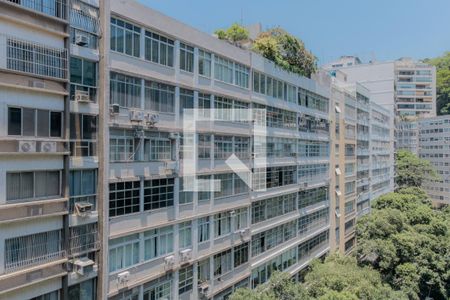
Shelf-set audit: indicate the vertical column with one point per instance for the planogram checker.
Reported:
(103, 148)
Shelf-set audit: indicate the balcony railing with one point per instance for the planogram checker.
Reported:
(83, 148)
(54, 8)
(31, 250)
(33, 58)
(81, 20)
(84, 239)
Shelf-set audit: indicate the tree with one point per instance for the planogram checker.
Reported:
(337, 278)
(442, 65)
(286, 51)
(412, 171)
(277, 45)
(235, 34)
(408, 242)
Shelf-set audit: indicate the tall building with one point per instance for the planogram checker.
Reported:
(429, 138)
(96, 152)
(404, 86)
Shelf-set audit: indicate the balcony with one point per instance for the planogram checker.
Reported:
(83, 148)
(32, 58)
(33, 250)
(33, 209)
(53, 8)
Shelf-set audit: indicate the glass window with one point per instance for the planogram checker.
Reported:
(33, 184)
(185, 279)
(159, 97)
(185, 234)
(125, 90)
(222, 224)
(222, 263)
(204, 63)
(159, 49)
(223, 69)
(34, 122)
(158, 242)
(125, 37)
(240, 254)
(203, 229)
(186, 100)
(186, 58)
(123, 252)
(158, 193)
(123, 198)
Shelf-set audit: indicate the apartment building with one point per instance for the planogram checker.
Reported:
(429, 139)
(363, 137)
(48, 78)
(404, 86)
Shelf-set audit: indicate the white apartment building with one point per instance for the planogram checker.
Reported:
(94, 203)
(429, 139)
(404, 86)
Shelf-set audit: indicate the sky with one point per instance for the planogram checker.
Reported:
(371, 29)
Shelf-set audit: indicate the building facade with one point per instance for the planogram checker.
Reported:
(101, 205)
(404, 86)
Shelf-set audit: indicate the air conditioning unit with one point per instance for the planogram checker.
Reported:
(169, 262)
(83, 266)
(82, 96)
(82, 209)
(27, 146)
(203, 288)
(35, 210)
(244, 232)
(81, 39)
(185, 255)
(136, 116)
(151, 119)
(123, 278)
(48, 147)
(173, 135)
(115, 108)
(171, 165)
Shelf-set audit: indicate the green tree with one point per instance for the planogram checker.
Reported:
(408, 242)
(412, 171)
(337, 278)
(277, 45)
(286, 51)
(442, 65)
(235, 34)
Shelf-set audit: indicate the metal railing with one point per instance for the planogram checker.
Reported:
(81, 20)
(54, 8)
(83, 239)
(35, 249)
(34, 58)
(83, 148)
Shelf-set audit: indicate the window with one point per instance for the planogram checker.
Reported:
(159, 289)
(223, 147)
(122, 147)
(157, 147)
(125, 37)
(123, 198)
(186, 190)
(34, 122)
(222, 263)
(185, 279)
(82, 187)
(158, 242)
(312, 100)
(204, 105)
(186, 100)
(159, 97)
(83, 77)
(240, 254)
(240, 218)
(33, 249)
(222, 108)
(223, 69)
(222, 224)
(313, 221)
(30, 57)
(55, 294)
(123, 252)
(204, 63)
(186, 58)
(312, 196)
(269, 239)
(158, 193)
(83, 135)
(204, 273)
(185, 234)
(159, 49)
(204, 146)
(203, 229)
(273, 207)
(226, 185)
(242, 147)
(241, 75)
(204, 188)
(83, 238)
(125, 90)
(33, 184)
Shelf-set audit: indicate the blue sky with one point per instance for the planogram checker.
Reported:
(380, 29)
